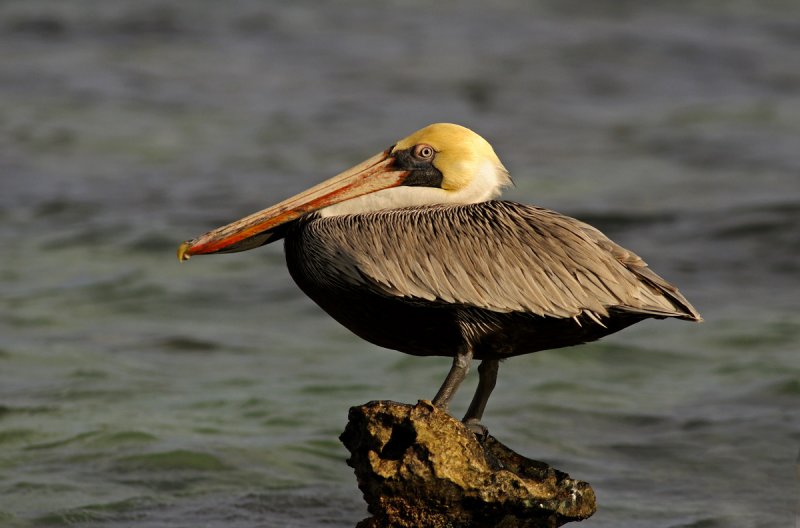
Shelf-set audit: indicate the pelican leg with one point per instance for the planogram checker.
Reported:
(458, 372)
(487, 372)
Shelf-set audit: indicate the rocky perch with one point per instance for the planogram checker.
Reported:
(419, 467)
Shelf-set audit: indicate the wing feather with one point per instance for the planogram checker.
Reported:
(500, 256)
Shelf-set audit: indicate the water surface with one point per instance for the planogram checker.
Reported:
(135, 391)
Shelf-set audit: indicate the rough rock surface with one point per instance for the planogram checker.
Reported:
(419, 467)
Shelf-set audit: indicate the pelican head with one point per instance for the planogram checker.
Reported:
(439, 164)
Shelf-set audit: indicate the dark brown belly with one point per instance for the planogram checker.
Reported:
(412, 329)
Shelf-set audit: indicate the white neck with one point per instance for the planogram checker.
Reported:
(487, 184)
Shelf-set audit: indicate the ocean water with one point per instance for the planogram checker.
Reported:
(137, 391)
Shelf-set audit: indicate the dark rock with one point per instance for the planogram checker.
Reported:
(419, 467)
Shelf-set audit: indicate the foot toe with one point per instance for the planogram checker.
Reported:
(476, 427)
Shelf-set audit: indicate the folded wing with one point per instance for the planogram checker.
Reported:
(500, 256)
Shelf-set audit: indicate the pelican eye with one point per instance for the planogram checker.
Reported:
(424, 152)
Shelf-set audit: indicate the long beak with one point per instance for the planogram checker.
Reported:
(260, 228)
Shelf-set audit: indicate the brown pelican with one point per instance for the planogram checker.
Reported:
(410, 252)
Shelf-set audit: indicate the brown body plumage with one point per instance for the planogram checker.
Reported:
(501, 277)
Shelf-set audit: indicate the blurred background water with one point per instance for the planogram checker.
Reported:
(135, 391)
